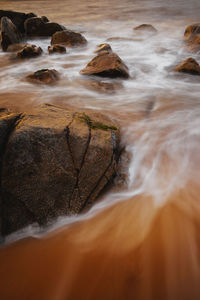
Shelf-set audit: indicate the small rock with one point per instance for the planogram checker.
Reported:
(103, 47)
(106, 64)
(145, 28)
(16, 47)
(189, 66)
(9, 33)
(56, 49)
(192, 30)
(192, 37)
(29, 51)
(46, 76)
(38, 27)
(68, 38)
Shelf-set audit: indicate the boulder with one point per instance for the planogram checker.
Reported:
(39, 27)
(18, 18)
(145, 28)
(56, 49)
(103, 47)
(106, 64)
(68, 38)
(45, 76)
(56, 163)
(29, 51)
(189, 66)
(9, 33)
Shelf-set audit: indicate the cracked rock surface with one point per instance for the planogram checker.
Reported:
(53, 162)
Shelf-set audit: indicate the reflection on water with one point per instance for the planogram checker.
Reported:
(141, 242)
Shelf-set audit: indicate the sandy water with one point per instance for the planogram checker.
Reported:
(141, 242)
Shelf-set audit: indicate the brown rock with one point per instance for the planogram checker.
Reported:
(189, 66)
(29, 51)
(192, 37)
(106, 64)
(18, 18)
(103, 47)
(56, 49)
(192, 30)
(9, 33)
(145, 28)
(16, 47)
(45, 76)
(68, 38)
(60, 161)
(38, 27)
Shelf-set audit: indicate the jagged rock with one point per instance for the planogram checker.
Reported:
(106, 64)
(16, 47)
(18, 18)
(38, 27)
(46, 76)
(56, 49)
(68, 38)
(145, 28)
(103, 47)
(56, 162)
(189, 66)
(9, 33)
(29, 51)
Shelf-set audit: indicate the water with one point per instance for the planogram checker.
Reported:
(141, 242)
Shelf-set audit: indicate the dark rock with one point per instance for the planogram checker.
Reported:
(68, 38)
(17, 18)
(9, 33)
(145, 28)
(29, 51)
(45, 19)
(56, 49)
(103, 47)
(44, 76)
(106, 64)
(56, 163)
(189, 66)
(38, 27)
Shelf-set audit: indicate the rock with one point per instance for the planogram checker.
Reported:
(103, 47)
(106, 64)
(45, 19)
(68, 38)
(192, 37)
(145, 28)
(9, 33)
(38, 27)
(16, 47)
(29, 51)
(192, 30)
(56, 163)
(56, 49)
(189, 66)
(17, 18)
(46, 76)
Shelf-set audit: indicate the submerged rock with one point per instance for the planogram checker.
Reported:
(18, 18)
(106, 64)
(9, 33)
(56, 162)
(45, 76)
(145, 28)
(16, 47)
(189, 66)
(29, 51)
(68, 38)
(56, 49)
(39, 27)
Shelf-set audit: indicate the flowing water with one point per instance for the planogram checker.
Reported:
(143, 241)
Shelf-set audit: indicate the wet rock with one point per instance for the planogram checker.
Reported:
(29, 51)
(56, 49)
(18, 18)
(192, 37)
(103, 47)
(16, 47)
(45, 19)
(9, 33)
(106, 64)
(60, 160)
(145, 28)
(45, 76)
(192, 30)
(101, 86)
(38, 27)
(68, 38)
(189, 66)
